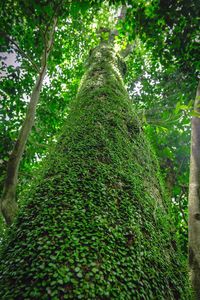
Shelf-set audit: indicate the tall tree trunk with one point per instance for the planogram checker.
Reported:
(8, 202)
(96, 223)
(194, 199)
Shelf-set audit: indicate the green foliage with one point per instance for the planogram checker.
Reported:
(95, 224)
(164, 96)
(169, 28)
(26, 22)
(160, 79)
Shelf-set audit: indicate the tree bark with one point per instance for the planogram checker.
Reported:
(194, 199)
(8, 200)
(96, 223)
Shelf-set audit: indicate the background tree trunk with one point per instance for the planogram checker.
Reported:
(96, 224)
(194, 199)
(8, 200)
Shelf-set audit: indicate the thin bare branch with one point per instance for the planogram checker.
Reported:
(8, 38)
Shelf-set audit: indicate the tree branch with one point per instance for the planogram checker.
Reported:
(20, 50)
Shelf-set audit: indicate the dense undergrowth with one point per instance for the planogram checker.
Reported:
(96, 223)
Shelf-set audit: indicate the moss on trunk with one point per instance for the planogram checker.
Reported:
(96, 224)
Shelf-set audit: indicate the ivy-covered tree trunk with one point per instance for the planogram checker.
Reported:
(96, 224)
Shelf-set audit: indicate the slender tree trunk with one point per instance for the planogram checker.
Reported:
(8, 201)
(194, 199)
(95, 224)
